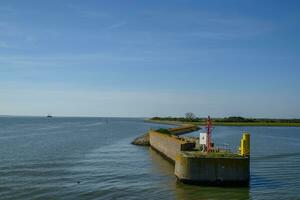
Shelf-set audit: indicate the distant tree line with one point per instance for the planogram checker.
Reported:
(190, 117)
(181, 119)
(235, 119)
(242, 119)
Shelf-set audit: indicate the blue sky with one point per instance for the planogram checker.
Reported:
(147, 58)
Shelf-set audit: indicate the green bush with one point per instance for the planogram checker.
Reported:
(164, 131)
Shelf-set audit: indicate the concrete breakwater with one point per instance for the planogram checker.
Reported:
(144, 140)
(169, 145)
(195, 167)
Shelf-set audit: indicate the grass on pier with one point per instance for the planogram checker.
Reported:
(221, 154)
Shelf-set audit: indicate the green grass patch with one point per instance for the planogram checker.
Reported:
(164, 131)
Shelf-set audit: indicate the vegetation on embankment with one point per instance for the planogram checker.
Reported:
(183, 129)
(164, 131)
(229, 121)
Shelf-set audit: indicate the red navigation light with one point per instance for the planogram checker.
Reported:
(209, 132)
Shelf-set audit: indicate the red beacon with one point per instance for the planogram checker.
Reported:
(209, 132)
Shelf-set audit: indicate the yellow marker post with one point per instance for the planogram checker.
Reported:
(245, 145)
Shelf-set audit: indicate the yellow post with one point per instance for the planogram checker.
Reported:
(245, 145)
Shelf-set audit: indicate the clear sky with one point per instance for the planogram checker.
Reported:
(148, 58)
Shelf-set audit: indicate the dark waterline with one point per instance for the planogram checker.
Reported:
(92, 158)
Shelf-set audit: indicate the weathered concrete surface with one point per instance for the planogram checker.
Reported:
(169, 145)
(212, 170)
(183, 129)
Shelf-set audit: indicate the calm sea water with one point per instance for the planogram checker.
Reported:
(92, 158)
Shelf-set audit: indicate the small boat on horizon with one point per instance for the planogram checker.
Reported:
(49, 116)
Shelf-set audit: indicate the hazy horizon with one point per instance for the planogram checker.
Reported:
(150, 58)
(137, 117)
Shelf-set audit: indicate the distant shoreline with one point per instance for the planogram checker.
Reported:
(265, 124)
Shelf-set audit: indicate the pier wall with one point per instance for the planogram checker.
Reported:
(212, 171)
(169, 145)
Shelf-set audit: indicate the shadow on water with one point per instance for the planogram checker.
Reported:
(276, 156)
(191, 192)
(260, 182)
(183, 191)
(161, 165)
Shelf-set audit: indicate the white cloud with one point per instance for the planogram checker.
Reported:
(115, 26)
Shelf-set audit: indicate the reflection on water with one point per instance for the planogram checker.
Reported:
(161, 165)
(193, 192)
(184, 191)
